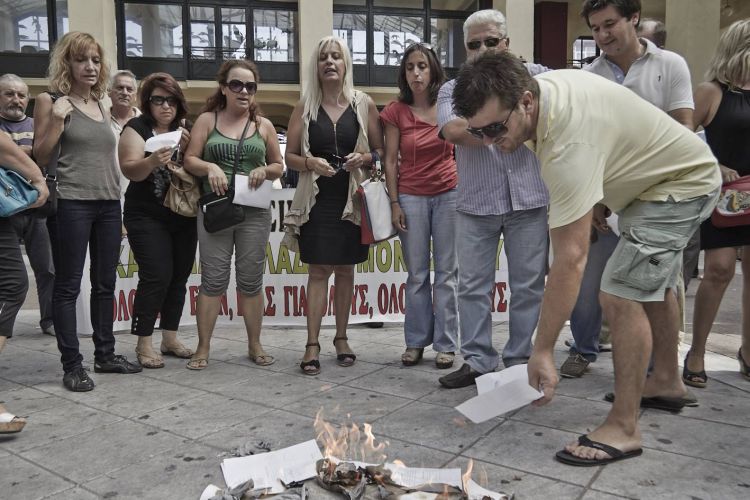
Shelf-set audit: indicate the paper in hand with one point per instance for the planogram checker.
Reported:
(245, 195)
(169, 140)
(499, 393)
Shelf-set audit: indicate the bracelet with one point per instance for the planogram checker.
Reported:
(306, 167)
(394, 201)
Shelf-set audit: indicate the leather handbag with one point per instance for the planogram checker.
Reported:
(375, 207)
(183, 193)
(16, 193)
(219, 211)
(733, 208)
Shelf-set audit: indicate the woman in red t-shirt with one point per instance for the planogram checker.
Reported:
(421, 177)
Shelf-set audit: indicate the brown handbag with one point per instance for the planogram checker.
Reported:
(183, 193)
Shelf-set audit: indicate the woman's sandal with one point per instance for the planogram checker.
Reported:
(261, 359)
(412, 356)
(347, 358)
(197, 364)
(695, 379)
(150, 362)
(179, 352)
(311, 367)
(10, 424)
(744, 367)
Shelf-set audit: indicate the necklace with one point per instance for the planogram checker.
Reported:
(85, 99)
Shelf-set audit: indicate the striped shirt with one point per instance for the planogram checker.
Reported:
(491, 182)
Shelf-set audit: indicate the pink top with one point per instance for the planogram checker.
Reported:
(426, 166)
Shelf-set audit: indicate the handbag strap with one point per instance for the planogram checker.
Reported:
(239, 150)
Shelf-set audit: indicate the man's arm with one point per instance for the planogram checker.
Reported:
(683, 116)
(570, 246)
(451, 127)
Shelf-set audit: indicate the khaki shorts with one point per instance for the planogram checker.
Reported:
(648, 258)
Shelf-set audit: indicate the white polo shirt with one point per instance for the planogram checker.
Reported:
(659, 76)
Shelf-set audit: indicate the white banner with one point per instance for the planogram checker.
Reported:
(379, 285)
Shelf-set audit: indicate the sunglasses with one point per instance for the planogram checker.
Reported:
(236, 86)
(336, 162)
(493, 130)
(159, 100)
(488, 42)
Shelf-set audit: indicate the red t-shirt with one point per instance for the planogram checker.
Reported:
(426, 164)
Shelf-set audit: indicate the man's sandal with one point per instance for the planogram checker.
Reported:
(347, 358)
(615, 454)
(11, 424)
(311, 367)
(197, 364)
(412, 356)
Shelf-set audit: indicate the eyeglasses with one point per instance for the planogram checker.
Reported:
(488, 42)
(236, 86)
(493, 130)
(159, 100)
(336, 162)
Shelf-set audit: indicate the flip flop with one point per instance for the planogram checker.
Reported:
(614, 454)
(197, 364)
(11, 424)
(665, 403)
(261, 359)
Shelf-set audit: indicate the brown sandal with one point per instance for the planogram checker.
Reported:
(261, 359)
(347, 358)
(150, 362)
(197, 364)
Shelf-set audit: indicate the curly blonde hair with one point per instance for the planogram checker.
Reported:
(730, 63)
(71, 45)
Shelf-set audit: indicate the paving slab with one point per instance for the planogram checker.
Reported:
(398, 381)
(76, 493)
(275, 390)
(22, 479)
(348, 404)
(29, 400)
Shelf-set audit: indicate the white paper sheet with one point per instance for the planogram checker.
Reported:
(210, 491)
(498, 393)
(412, 477)
(266, 469)
(476, 492)
(259, 197)
(168, 140)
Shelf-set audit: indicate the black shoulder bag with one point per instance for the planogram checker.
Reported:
(219, 211)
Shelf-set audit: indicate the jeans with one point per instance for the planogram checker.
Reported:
(165, 252)
(33, 231)
(525, 243)
(430, 219)
(79, 225)
(14, 283)
(586, 318)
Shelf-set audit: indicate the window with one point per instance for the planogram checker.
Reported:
(26, 25)
(153, 30)
(447, 40)
(202, 33)
(275, 35)
(353, 29)
(392, 35)
(584, 48)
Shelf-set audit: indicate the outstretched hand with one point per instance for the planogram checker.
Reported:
(543, 376)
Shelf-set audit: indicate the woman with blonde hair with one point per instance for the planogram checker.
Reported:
(71, 119)
(211, 154)
(722, 107)
(333, 139)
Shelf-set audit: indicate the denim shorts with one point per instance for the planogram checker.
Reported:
(648, 256)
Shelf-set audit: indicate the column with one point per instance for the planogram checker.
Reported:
(315, 22)
(693, 32)
(520, 18)
(98, 19)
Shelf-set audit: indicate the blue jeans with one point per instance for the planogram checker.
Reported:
(525, 243)
(586, 318)
(79, 225)
(428, 322)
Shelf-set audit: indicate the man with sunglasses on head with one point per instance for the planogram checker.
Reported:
(600, 144)
(661, 78)
(499, 194)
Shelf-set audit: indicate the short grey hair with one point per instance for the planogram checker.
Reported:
(122, 72)
(486, 16)
(8, 78)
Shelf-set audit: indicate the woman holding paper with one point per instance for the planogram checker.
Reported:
(334, 137)
(211, 155)
(72, 123)
(162, 241)
(422, 188)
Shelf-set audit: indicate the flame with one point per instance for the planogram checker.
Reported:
(466, 477)
(348, 442)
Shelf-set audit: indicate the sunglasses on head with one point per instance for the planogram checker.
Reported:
(493, 130)
(236, 86)
(488, 42)
(159, 100)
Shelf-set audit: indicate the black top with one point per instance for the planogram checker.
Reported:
(728, 134)
(148, 195)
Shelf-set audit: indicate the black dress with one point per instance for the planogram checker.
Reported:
(325, 238)
(728, 135)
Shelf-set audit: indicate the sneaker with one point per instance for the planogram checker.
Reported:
(117, 364)
(574, 366)
(463, 377)
(78, 380)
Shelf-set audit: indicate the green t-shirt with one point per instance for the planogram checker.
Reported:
(221, 150)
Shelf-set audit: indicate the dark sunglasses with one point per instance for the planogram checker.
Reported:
(493, 130)
(488, 42)
(336, 162)
(236, 86)
(159, 100)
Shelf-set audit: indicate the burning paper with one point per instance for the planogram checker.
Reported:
(415, 477)
(267, 470)
(498, 393)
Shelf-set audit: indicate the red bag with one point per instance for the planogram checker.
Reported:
(733, 208)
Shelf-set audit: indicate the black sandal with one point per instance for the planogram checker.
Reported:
(314, 363)
(695, 379)
(744, 367)
(347, 358)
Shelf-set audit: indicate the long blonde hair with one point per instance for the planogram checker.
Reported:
(71, 45)
(730, 63)
(313, 95)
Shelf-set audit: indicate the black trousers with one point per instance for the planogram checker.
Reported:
(164, 249)
(14, 283)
